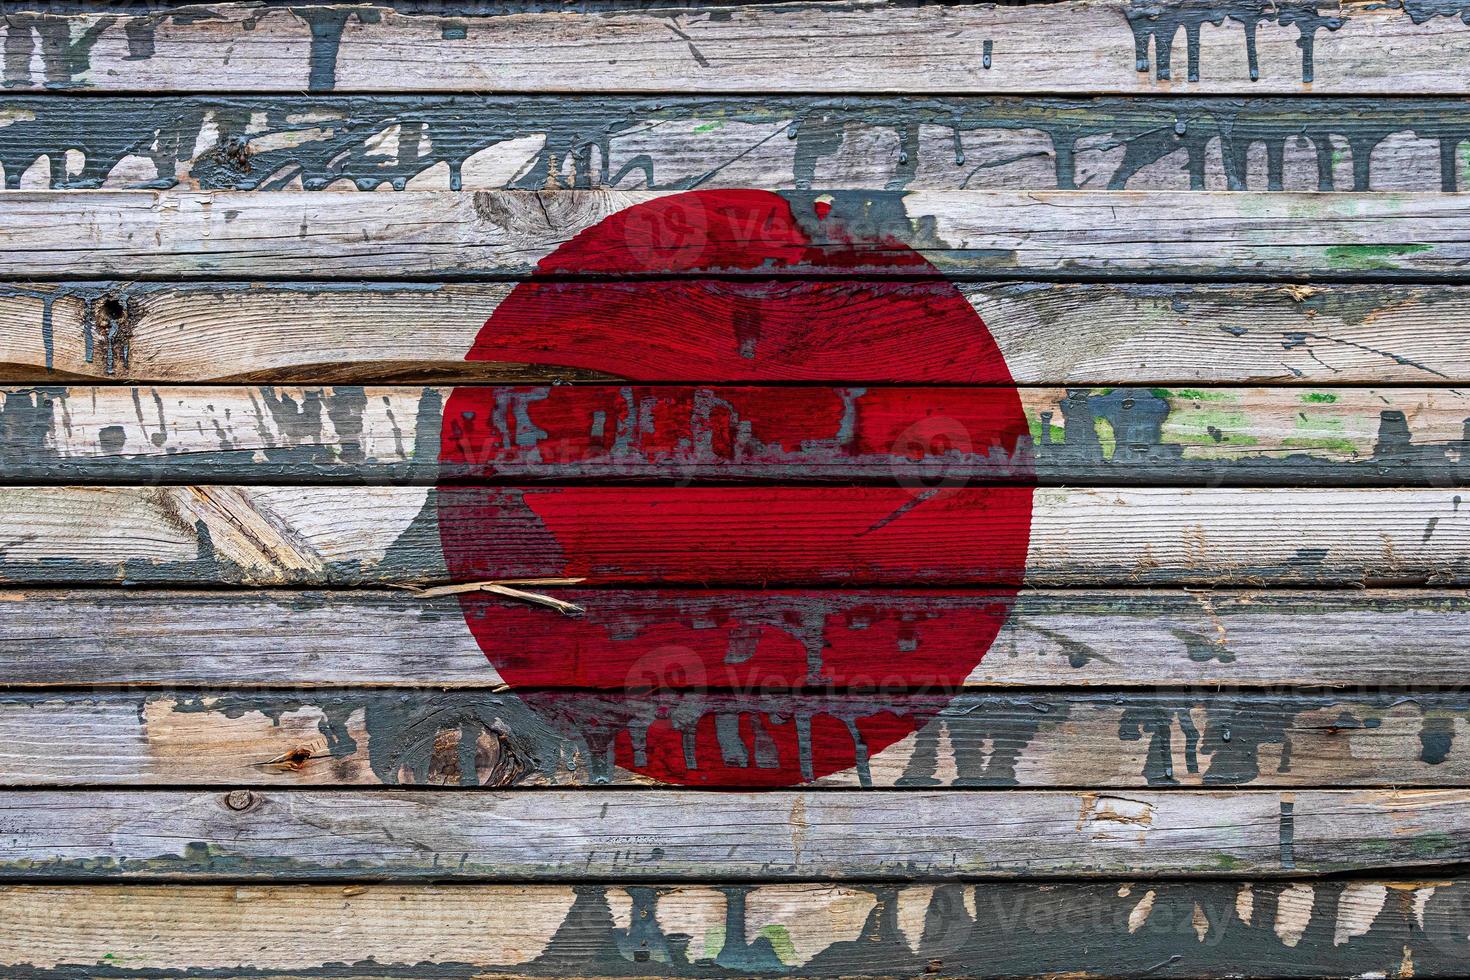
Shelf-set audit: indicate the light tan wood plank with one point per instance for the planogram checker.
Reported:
(1074, 47)
(1033, 739)
(1214, 436)
(1076, 334)
(1132, 638)
(506, 233)
(366, 535)
(650, 834)
(1198, 928)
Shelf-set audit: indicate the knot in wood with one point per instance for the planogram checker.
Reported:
(240, 799)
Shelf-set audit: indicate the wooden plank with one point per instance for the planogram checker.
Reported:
(917, 436)
(1129, 638)
(475, 738)
(1323, 928)
(560, 835)
(512, 233)
(773, 141)
(1070, 333)
(758, 536)
(1087, 46)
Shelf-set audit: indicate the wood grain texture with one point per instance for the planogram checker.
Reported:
(1157, 928)
(628, 434)
(1079, 46)
(560, 835)
(1057, 334)
(1035, 739)
(672, 142)
(508, 233)
(734, 536)
(1131, 638)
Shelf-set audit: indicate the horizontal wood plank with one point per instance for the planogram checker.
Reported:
(1321, 928)
(560, 835)
(1071, 333)
(290, 738)
(1131, 638)
(734, 535)
(918, 436)
(1085, 46)
(427, 142)
(1158, 234)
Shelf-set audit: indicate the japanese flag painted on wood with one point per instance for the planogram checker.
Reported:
(690, 329)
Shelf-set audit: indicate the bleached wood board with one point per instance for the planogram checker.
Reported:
(1068, 333)
(1081, 46)
(560, 835)
(1129, 638)
(267, 535)
(351, 435)
(1159, 234)
(1192, 928)
(997, 929)
(427, 142)
(1034, 739)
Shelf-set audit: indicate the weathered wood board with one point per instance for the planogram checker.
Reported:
(475, 738)
(1159, 234)
(973, 440)
(674, 142)
(1068, 46)
(745, 536)
(1110, 333)
(1199, 928)
(1133, 638)
(631, 434)
(613, 834)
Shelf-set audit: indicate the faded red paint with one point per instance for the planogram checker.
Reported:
(705, 330)
(667, 432)
(739, 535)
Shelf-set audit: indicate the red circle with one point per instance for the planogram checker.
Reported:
(722, 330)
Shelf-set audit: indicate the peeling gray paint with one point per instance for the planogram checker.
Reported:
(540, 737)
(331, 138)
(1187, 929)
(1161, 23)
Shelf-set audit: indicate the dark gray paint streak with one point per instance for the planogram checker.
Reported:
(581, 132)
(479, 738)
(1193, 929)
(1138, 453)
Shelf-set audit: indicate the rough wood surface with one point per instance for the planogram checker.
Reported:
(1083, 46)
(772, 141)
(560, 835)
(734, 536)
(921, 436)
(1135, 717)
(1159, 234)
(476, 738)
(1070, 333)
(1206, 928)
(1130, 638)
